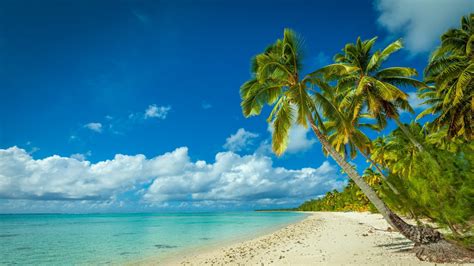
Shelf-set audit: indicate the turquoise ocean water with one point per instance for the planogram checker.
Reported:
(120, 238)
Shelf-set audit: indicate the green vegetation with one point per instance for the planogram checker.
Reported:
(350, 198)
(423, 171)
(436, 182)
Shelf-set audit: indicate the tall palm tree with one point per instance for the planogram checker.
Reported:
(451, 71)
(276, 80)
(372, 87)
(343, 131)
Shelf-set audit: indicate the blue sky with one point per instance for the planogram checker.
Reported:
(134, 105)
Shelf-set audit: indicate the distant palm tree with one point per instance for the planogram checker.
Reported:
(276, 81)
(374, 88)
(451, 70)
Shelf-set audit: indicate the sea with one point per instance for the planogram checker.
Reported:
(65, 239)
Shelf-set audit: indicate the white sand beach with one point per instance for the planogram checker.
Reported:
(322, 238)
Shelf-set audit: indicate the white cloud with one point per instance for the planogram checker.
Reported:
(81, 156)
(159, 112)
(415, 102)
(240, 140)
(421, 22)
(250, 178)
(298, 140)
(97, 127)
(57, 177)
(173, 177)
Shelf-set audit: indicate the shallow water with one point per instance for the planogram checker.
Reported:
(118, 238)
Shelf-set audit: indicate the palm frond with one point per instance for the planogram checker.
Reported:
(396, 72)
(281, 127)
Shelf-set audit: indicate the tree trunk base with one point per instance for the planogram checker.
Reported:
(430, 245)
(417, 234)
(443, 252)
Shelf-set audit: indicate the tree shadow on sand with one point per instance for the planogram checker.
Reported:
(400, 245)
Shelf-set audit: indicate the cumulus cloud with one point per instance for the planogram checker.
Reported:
(97, 127)
(421, 22)
(159, 112)
(242, 178)
(81, 156)
(415, 102)
(57, 177)
(240, 140)
(298, 140)
(169, 177)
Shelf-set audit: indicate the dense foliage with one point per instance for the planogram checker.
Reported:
(350, 199)
(422, 171)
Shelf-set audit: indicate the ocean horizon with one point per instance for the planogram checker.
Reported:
(102, 238)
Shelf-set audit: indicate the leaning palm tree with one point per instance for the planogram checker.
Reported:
(276, 80)
(451, 70)
(375, 88)
(343, 131)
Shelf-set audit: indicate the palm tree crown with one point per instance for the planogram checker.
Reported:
(451, 71)
(344, 132)
(276, 82)
(370, 87)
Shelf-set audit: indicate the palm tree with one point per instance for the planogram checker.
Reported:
(451, 70)
(379, 150)
(372, 87)
(343, 131)
(276, 80)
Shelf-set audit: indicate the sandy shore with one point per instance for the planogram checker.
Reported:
(321, 238)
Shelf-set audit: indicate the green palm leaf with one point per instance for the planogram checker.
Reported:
(281, 127)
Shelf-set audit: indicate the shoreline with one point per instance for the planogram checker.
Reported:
(321, 237)
(171, 257)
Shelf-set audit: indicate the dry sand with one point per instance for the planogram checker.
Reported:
(325, 238)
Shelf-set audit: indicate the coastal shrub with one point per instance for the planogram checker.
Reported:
(435, 184)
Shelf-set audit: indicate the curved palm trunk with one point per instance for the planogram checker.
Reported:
(381, 173)
(421, 235)
(408, 134)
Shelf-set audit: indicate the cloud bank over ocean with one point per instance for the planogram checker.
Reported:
(169, 179)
